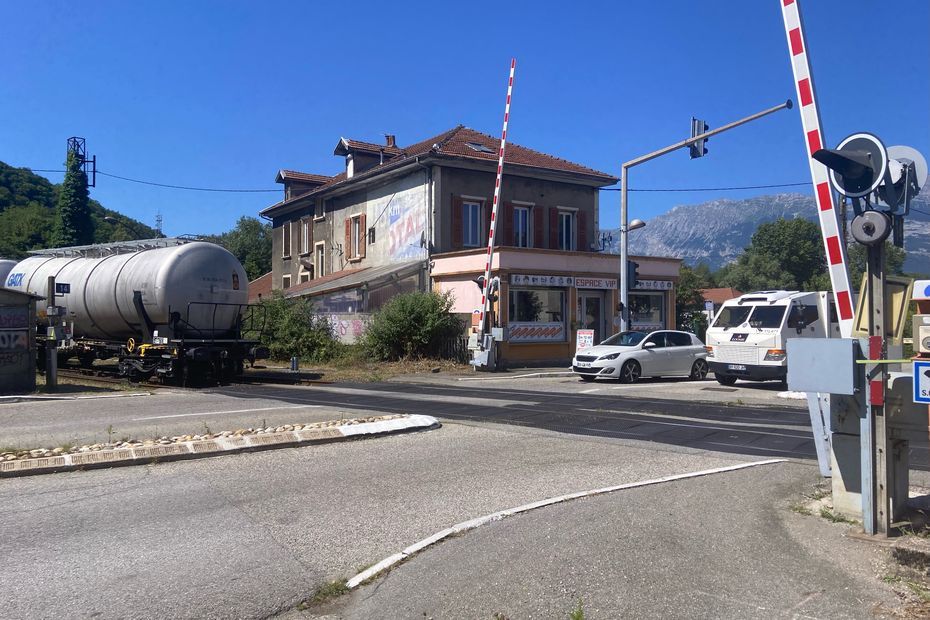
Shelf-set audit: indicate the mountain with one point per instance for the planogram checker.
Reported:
(717, 231)
(27, 215)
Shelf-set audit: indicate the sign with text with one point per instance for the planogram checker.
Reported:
(653, 285)
(62, 288)
(520, 279)
(606, 283)
(922, 382)
(584, 339)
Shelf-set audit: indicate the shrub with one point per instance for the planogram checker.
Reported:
(411, 325)
(291, 328)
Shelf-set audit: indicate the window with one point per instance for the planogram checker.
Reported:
(625, 339)
(320, 260)
(355, 237)
(304, 245)
(802, 314)
(286, 281)
(657, 339)
(732, 316)
(319, 212)
(647, 311)
(286, 240)
(678, 339)
(767, 316)
(471, 224)
(304, 276)
(537, 305)
(521, 227)
(566, 230)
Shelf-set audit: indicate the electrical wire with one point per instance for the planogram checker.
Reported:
(705, 189)
(185, 187)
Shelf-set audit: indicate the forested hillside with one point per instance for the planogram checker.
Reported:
(27, 215)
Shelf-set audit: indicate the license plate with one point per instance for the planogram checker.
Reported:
(583, 364)
(735, 367)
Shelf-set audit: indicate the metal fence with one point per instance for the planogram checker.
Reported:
(454, 348)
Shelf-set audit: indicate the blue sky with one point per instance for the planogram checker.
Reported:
(223, 94)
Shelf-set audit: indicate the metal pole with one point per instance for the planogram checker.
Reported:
(51, 341)
(876, 517)
(624, 173)
(624, 252)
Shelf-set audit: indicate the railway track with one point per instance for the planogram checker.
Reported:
(103, 376)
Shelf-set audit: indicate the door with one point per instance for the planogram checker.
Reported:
(590, 314)
(655, 359)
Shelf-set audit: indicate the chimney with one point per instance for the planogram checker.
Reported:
(390, 140)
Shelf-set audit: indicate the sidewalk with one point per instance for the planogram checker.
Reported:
(720, 546)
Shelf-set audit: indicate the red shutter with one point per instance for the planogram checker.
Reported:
(458, 226)
(507, 229)
(362, 235)
(581, 221)
(347, 248)
(538, 227)
(487, 222)
(553, 228)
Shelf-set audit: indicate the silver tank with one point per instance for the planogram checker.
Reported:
(6, 265)
(100, 301)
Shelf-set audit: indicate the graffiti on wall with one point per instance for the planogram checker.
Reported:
(348, 329)
(14, 340)
(12, 317)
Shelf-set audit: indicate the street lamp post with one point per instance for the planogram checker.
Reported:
(625, 226)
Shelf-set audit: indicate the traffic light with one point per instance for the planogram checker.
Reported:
(699, 148)
(495, 284)
(632, 274)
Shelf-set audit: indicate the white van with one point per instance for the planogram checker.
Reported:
(748, 337)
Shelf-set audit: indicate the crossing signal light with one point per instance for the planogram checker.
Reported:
(632, 274)
(492, 293)
(699, 147)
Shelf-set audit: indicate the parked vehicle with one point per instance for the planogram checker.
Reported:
(627, 356)
(747, 339)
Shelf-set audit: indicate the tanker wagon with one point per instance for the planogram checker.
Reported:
(175, 309)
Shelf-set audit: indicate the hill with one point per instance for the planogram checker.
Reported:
(715, 232)
(27, 215)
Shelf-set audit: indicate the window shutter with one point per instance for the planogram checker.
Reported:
(458, 226)
(487, 221)
(538, 227)
(347, 248)
(581, 223)
(553, 228)
(362, 235)
(507, 230)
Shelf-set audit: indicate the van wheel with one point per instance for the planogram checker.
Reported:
(725, 379)
(630, 372)
(587, 378)
(699, 370)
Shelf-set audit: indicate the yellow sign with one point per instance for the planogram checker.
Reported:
(897, 299)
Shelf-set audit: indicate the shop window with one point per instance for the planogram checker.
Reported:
(537, 315)
(647, 311)
(471, 224)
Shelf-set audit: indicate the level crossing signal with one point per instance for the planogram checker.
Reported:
(632, 274)
(699, 147)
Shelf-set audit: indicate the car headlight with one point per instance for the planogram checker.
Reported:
(775, 355)
(612, 356)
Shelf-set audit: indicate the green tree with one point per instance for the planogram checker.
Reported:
(784, 254)
(250, 242)
(73, 224)
(857, 254)
(689, 302)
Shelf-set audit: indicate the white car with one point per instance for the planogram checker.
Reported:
(627, 356)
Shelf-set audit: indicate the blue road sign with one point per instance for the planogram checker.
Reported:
(922, 382)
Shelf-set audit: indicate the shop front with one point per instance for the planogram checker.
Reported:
(547, 296)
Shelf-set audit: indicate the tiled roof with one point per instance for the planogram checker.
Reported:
(369, 147)
(305, 177)
(304, 286)
(719, 295)
(260, 287)
(453, 144)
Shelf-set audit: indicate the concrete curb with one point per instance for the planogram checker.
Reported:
(214, 447)
(464, 526)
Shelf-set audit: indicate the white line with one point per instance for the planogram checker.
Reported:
(678, 420)
(647, 385)
(591, 391)
(390, 561)
(532, 374)
(187, 415)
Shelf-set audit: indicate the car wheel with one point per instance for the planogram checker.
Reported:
(630, 372)
(699, 370)
(725, 379)
(587, 378)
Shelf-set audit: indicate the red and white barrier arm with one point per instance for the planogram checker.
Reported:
(834, 245)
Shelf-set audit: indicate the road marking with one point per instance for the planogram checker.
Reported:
(701, 422)
(187, 415)
(591, 391)
(471, 524)
(643, 385)
(488, 401)
(531, 374)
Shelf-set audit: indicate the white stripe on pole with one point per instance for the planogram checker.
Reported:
(834, 245)
(485, 297)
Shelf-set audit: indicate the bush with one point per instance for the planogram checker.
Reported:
(411, 325)
(292, 328)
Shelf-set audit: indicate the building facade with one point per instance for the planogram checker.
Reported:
(417, 217)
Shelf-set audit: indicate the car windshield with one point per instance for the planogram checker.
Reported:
(732, 316)
(767, 316)
(625, 339)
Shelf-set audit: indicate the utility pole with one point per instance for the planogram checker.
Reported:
(624, 178)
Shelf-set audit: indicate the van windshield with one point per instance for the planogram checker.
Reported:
(732, 316)
(767, 316)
